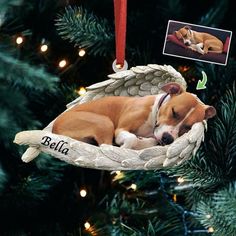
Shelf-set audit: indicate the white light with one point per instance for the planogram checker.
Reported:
(81, 91)
(62, 63)
(19, 40)
(118, 66)
(87, 225)
(44, 48)
(119, 175)
(83, 193)
(180, 179)
(133, 186)
(82, 52)
(210, 230)
(208, 216)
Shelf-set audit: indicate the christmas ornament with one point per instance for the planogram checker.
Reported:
(138, 81)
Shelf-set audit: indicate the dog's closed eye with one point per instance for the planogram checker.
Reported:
(175, 114)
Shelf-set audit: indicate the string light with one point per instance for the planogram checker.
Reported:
(208, 216)
(175, 198)
(44, 48)
(210, 230)
(183, 68)
(83, 193)
(82, 52)
(119, 175)
(133, 186)
(87, 225)
(81, 91)
(19, 40)
(118, 66)
(180, 180)
(62, 63)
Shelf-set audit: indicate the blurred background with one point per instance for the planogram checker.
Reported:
(49, 52)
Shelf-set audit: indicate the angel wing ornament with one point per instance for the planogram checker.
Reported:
(138, 81)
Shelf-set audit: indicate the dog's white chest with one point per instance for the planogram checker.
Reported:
(147, 128)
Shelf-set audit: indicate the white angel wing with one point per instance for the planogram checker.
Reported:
(138, 81)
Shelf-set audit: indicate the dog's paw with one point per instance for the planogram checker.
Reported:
(192, 48)
(130, 143)
(144, 143)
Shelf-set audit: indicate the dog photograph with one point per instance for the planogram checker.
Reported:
(197, 42)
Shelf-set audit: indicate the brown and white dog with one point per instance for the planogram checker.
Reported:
(134, 122)
(199, 41)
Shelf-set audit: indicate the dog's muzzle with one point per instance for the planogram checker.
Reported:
(166, 139)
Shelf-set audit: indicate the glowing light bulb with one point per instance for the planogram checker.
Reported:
(62, 63)
(119, 175)
(81, 91)
(83, 193)
(87, 225)
(180, 180)
(133, 186)
(210, 230)
(208, 216)
(19, 40)
(118, 66)
(82, 52)
(175, 198)
(44, 48)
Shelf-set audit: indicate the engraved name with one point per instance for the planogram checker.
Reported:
(56, 146)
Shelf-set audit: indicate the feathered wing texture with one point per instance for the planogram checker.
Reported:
(138, 81)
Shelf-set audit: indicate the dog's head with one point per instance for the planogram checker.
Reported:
(177, 115)
(185, 35)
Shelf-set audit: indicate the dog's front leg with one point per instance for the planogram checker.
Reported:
(193, 47)
(199, 47)
(145, 143)
(126, 139)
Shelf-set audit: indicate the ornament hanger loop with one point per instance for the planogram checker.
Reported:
(119, 67)
(120, 13)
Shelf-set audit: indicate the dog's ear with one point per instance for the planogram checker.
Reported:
(187, 27)
(172, 88)
(210, 112)
(178, 34)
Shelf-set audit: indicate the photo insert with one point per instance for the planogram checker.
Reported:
(197, 42)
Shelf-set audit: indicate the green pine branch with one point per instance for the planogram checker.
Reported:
(7, 3)
(137, 216)
(219, 212)
(18, 80)
(213, 166)
(220, 78)
(3, 179)
(215, 15)
(85, 30)
(19, 73)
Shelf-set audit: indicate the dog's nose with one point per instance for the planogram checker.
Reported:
(167, 138)
(187, 44)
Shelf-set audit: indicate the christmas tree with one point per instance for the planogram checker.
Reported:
(50, 51)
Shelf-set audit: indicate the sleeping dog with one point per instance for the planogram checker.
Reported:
(199, 41)
(134, 122)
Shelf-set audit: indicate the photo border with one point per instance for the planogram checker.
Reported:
(191, 58)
